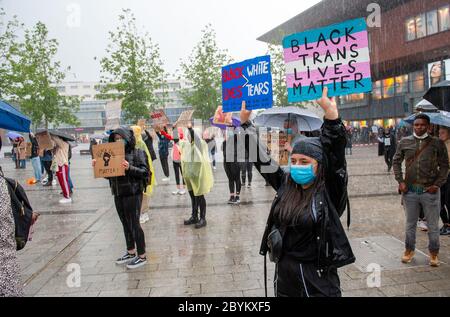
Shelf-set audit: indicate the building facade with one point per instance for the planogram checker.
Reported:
(409, 51)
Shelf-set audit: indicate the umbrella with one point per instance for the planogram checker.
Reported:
(13, 135)
(425, 106)
(12, 119)
(60, 134)
(441, 118)
(275, 118)
(236, 123)
(439, 95)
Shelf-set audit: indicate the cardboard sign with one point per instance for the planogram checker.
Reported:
(29, 148)
(109, 157)
(336, 56)
(184, 119)
(113, 110)
(44, 140)
(249, 81)
(223, 118)
(159, 118)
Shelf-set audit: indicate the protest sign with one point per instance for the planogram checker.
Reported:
(113, 111)
(249, 81)
(222, 118)
(336, 56)
(109, 157)
(184, 119)
(44, 140)
(159, 118)
(29, 148)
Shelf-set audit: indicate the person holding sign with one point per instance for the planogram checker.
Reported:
(127, 191)
(304, 235)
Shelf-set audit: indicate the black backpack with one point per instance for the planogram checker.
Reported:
(22, 212)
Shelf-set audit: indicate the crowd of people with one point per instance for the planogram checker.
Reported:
(303, 236)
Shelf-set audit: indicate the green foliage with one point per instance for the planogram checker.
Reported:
(133, 70)
(33, 74)
(203, 71)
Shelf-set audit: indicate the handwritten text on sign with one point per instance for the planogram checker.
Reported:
(249, 80)
(336, 56)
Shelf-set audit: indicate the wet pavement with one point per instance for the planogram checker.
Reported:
(221, 259)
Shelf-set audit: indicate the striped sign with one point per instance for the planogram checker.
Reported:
(336, 56)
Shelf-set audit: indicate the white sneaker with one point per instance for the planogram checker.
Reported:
(182, 192)
(65, 201)
(422, 225)
(176, 192)
(54, 182)
(144, 218)
(214, 168)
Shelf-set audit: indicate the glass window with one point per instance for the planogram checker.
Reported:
(444, 18)
(401, 84)
(417, 82)
(410, 29)
(421, 30)
(432, 22)
(86, 87)
(377, 93)
(388, 87)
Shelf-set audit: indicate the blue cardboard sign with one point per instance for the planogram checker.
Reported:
(249, 81)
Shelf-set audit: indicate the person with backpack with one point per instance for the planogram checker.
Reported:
(14, 233)
(304, 235)
(127, 191)
(426, 171)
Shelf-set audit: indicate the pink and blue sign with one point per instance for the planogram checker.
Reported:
(249, 81)
(336, 56)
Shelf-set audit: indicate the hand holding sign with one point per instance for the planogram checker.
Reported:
(223, 118)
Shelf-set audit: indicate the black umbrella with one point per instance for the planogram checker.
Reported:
(439, 95)
(60, 134)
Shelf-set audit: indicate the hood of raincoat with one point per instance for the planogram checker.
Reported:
(127, 135)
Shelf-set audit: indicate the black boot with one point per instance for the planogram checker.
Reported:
(202, 222)
(193, 220)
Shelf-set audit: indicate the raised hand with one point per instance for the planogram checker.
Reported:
(328, 105)
(245, 114)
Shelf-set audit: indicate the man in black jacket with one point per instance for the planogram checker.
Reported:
(127, 191)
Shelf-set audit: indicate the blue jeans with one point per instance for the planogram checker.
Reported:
(431, 205)
(23, 163)
(36, 162)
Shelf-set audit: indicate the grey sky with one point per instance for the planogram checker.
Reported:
(174, 24)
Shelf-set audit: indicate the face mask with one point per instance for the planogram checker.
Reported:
(423, 137)
(303, 174)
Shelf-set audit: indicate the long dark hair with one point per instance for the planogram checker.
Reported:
(295, 201)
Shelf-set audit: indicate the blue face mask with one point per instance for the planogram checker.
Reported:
(303, 174)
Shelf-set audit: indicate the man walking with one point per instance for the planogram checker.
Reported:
(426, 170)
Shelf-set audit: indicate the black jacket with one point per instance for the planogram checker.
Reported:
(34, 147)
(332, 244)
(134, 181)
(148, 140)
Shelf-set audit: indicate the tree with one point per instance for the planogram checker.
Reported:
(34, 75)
(203, 71)
(278, 69)
(8, 30)
(133, 70)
